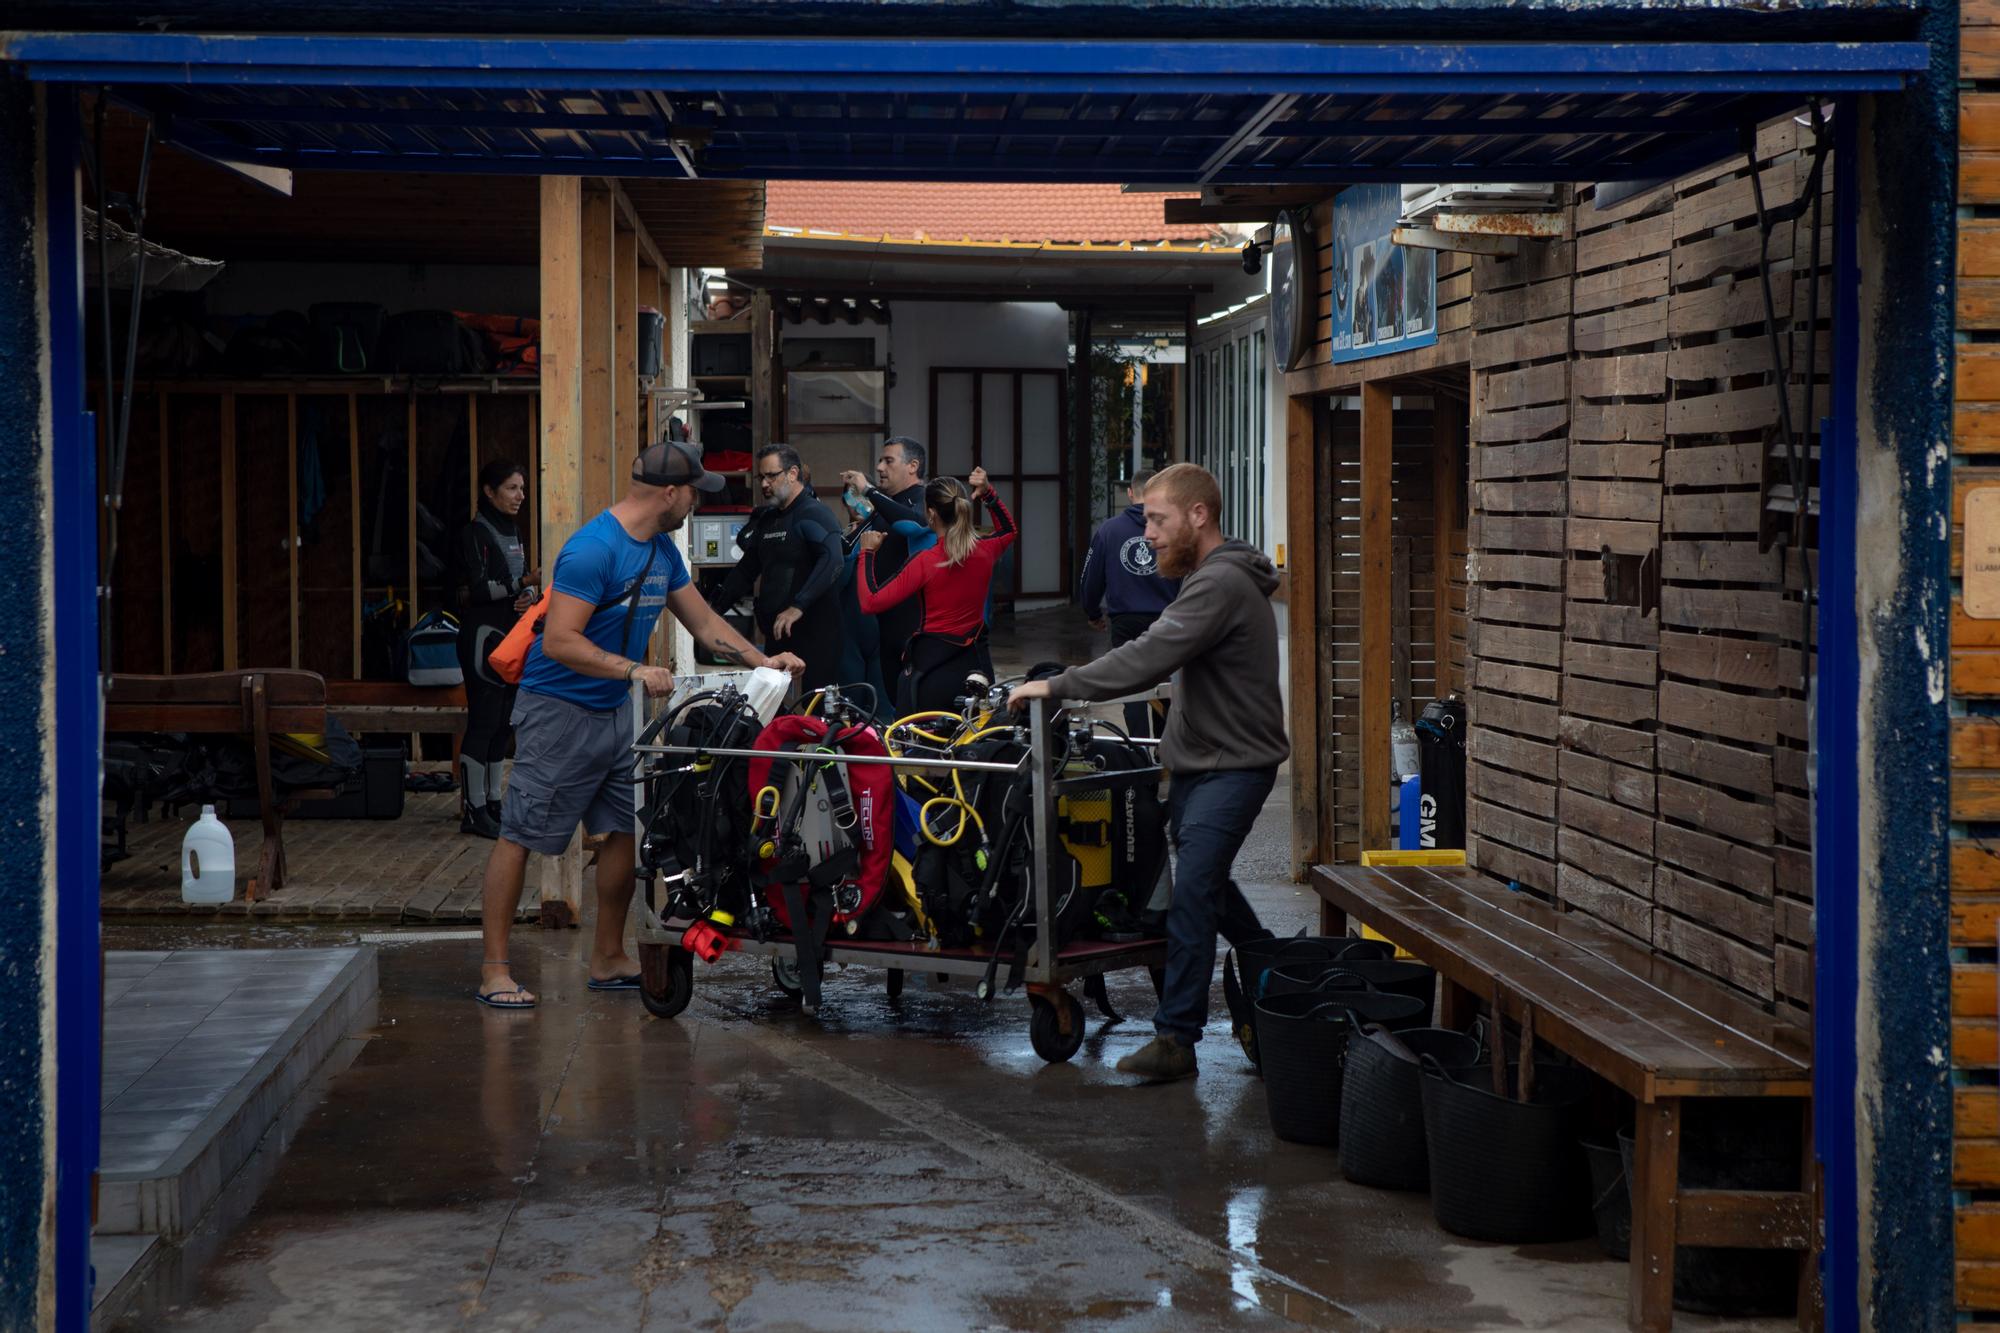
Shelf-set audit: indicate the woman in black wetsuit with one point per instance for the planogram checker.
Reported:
(496, 587)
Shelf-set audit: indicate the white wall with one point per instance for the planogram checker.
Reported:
(260, 288)
(1001, 335)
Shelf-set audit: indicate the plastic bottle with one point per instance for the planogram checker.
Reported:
(1403, 760)
(208, 861)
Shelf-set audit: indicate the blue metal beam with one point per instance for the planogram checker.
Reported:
(962, 66)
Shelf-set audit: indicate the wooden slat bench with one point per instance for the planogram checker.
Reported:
(387, 705)
(253, 704)
(1657, 1030)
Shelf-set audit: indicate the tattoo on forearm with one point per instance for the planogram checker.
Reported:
(730, 648)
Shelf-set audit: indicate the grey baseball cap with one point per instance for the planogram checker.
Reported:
(673, 463)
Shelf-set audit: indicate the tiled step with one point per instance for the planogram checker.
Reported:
(202, 1050)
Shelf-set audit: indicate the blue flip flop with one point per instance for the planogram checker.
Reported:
(492, 1000)
(616, 983)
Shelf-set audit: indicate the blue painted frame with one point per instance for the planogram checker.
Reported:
(1837, 809)
(78, 722)
(903, 110)
(969, 65)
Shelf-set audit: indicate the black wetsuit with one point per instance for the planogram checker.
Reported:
(793, 555)
(899, 624)
(490, 560)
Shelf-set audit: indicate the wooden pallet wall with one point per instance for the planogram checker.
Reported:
(1975, 682)
(1636, 641)
(1734, 883)
(1518, 462)
(1611, 629)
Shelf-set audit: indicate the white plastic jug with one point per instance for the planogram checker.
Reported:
(208, 861)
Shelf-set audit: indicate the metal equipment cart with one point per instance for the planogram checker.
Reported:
(1056, 1018)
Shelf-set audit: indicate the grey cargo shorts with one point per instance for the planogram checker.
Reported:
(570, 765)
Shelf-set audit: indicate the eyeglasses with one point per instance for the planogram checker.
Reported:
(773, 476)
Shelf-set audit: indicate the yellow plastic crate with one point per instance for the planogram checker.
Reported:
(1393, 857)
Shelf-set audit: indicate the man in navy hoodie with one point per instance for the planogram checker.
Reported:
(1123, 589)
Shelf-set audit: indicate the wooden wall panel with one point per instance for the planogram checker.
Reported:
(1733, 823)
(326, 540)
(1517, 468)
(1340, 776)
(1611, 628)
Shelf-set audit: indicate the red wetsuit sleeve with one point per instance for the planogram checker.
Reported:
(876, 598)
(1004, 531)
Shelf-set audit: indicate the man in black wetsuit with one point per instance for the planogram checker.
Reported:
(792, 552)
(898, 496)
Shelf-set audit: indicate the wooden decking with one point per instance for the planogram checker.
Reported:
(411, 871)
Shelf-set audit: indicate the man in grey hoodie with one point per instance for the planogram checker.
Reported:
(1224, 739)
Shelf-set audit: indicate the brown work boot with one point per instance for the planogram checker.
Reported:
(1161, 1060)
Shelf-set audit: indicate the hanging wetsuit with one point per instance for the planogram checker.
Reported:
(794, 558)
(899, 624)
(492, 560)
(951, 612)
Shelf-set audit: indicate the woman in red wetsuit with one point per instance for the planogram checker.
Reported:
(950, 582)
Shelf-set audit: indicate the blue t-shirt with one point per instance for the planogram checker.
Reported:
(599, 563)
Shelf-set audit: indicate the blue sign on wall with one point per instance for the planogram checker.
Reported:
(1384, 294)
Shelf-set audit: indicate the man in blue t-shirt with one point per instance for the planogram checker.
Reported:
(572, 726)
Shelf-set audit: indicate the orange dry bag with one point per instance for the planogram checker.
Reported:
(509, 658)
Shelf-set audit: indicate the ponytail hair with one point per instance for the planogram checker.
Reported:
(948, 498)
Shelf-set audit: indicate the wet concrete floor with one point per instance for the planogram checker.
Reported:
(903, 1164)
(896, 1164)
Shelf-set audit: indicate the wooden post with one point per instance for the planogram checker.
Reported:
(472, 456)
(166, 543)
(1302, 628)
(531, 521)
(292, 511)
(1377, 448)
(762, 404)
(354, 517)
(627, 425)
(675, 369)
(560, 488)
(1655, 1185)
(599, 389)
(229, 653)
(410, 447)
(1447, 507)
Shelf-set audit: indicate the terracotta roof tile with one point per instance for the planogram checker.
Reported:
(940, 211)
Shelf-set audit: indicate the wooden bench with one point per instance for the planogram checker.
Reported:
(1657, 1030)
(388, 705)
(253, 704)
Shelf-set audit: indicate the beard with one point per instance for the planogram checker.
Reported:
(1177, 559)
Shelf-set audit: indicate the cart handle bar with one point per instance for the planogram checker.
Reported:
(961, 765)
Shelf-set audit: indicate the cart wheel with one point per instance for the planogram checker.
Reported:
(1045, 1023)
(785, 972)
(895, 983)
(680, 981)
